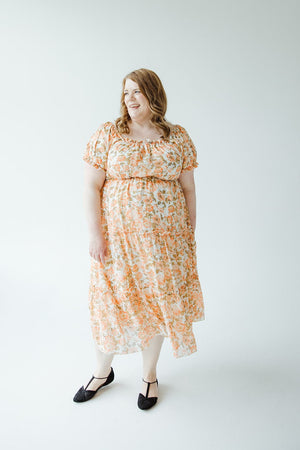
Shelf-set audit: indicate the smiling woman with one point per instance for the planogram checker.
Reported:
(144, 283)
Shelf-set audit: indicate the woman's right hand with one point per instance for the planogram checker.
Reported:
(98, 248)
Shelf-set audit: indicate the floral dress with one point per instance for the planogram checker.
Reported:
(149, 283)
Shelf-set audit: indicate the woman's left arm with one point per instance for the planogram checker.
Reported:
(186, 179)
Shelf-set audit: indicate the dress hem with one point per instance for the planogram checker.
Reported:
(144, 345)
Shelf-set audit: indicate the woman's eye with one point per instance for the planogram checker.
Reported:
(126, 93)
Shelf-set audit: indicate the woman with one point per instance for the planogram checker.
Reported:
(141, 209)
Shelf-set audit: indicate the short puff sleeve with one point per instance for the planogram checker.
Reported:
(189, 152)
(96, 151)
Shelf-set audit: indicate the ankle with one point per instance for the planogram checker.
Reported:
(149, 376)
(101, 372)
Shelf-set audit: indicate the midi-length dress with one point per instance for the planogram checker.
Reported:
(149, 283)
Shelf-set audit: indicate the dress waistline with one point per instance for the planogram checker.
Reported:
(140, 178)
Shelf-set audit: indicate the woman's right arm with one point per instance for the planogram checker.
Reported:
(93, 183)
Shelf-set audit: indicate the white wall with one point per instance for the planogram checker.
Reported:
(230, 70)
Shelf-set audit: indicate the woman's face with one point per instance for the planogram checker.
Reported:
(136, 103)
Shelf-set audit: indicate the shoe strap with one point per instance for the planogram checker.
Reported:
(150, 382)
(148, 387)
(98, 378)
(102, 378)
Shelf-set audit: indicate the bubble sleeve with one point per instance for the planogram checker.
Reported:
(96, 151)
(189, 152)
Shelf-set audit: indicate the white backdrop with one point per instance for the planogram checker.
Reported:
(230, 70)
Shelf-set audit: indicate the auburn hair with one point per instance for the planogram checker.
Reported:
(151, 86)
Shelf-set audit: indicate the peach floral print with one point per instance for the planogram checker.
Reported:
(149, 283)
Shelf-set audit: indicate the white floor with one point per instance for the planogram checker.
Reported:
(221, 397)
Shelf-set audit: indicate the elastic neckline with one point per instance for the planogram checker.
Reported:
(143, 141)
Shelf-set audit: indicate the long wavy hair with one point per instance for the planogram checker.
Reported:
(151, 86)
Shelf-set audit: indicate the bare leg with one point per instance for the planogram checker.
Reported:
(103, 366)
(150, 359)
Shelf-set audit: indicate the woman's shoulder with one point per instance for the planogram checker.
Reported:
(177, 131)
(104, 129)
(182, 133)
(180, 128)
(174, 130)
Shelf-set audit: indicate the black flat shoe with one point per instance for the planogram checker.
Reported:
(147, 402)
(82, 395)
